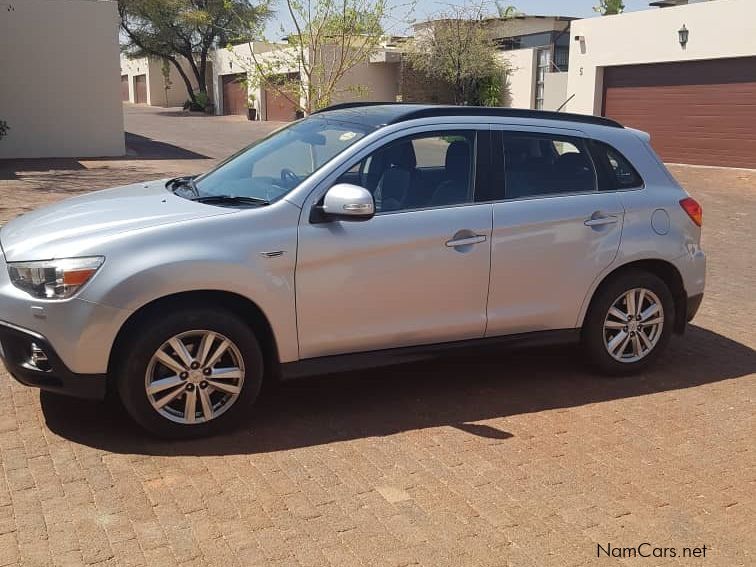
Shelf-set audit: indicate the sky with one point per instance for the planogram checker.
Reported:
(425, 9)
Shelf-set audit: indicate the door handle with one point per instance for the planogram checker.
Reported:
(478, 238)
(598, 221)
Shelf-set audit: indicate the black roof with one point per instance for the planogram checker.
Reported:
(377, 114)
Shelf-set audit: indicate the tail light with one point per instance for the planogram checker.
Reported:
(694, 210)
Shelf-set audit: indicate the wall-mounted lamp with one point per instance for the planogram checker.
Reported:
(682, 35)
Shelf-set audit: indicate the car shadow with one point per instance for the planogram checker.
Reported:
(456, 391)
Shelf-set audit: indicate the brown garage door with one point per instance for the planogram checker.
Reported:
(234, 94)
(277, 106)
(700, 112)
(125, 88)
(140, 89)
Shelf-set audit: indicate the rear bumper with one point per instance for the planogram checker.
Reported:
(16, 353)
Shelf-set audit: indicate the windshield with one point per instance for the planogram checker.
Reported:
(274, 165)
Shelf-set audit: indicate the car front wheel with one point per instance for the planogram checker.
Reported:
(629, 323)
(190, 373)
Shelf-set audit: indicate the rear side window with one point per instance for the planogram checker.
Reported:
(542, 164)
(615, 172)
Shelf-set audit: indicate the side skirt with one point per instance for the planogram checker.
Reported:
(403, 355)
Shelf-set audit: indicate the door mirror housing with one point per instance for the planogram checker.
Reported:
(345, 201)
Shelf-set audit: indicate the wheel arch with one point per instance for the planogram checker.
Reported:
(250, 312)
(664, 270)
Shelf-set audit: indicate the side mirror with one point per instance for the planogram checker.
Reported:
(345, 201)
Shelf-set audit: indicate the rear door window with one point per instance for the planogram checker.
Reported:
(615, 172)
(538, 165)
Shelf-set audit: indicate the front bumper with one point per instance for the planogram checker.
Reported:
(16, 352)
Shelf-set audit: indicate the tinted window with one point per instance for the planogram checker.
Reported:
(427, 170)
(541, 164)
(615, 171)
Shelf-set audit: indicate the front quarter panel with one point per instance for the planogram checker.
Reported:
(219, 253)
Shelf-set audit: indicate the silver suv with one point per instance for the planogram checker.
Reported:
(361, 235)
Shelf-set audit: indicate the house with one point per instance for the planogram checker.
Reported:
(536, 49)
(236, 87)
(685, 73)
(155, 81)
(59, 90)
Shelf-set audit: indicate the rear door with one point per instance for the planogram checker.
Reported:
(553, 230)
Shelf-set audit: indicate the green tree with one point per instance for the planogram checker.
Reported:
(186, 31)
(456, 49)
(609, 7)
(507, 11)
(328, 39)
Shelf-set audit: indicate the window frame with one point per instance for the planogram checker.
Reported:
(437, 130)
(499, 173)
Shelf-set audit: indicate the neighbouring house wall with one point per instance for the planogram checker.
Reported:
(157, 94)
(60, 88)
(524, 25)
(418, 87)
(133, 67)
(239, 59)
(554, 90)
(521, 76)
(374, 81)
(724, 28)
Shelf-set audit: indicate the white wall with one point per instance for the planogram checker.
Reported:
(60, 88)
(521, 77)
(724, 28)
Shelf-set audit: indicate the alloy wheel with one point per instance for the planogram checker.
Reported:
(633, 325)
(194, 377)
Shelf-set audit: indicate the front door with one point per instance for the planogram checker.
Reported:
(553, 233)
(417, 272)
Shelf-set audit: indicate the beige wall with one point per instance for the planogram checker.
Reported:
(554, 90)
(521, 77)
(60, 89)
(724, 28)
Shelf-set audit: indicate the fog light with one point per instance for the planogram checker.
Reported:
(39, 358)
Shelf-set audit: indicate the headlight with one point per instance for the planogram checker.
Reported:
(53, 279)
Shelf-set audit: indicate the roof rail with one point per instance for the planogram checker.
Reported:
(343, 105)
(503, 112)
(414, 111)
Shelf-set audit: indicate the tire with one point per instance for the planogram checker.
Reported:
(604, 330)
(202, 332)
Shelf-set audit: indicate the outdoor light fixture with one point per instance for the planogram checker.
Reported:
(682, 34)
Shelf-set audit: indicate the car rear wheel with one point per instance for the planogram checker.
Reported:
(629, 323)
(190, 373)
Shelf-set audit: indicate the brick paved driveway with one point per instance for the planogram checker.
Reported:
(510, 459)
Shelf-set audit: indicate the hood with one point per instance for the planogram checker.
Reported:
(65, 228)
